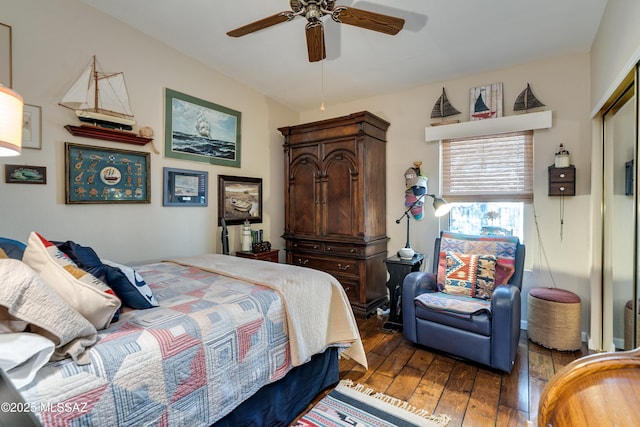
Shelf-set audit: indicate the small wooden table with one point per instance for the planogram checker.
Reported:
(398, 269)
(263, 256)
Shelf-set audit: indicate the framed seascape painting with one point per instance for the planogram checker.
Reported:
(201, 131)
(105, 175)
(184, 187)
(239, 199)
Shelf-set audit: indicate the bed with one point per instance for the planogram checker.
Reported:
(230, 341)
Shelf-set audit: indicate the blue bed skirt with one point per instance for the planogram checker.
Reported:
(279, 403)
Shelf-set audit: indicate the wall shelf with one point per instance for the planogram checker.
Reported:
(107, 134)
(515, 123)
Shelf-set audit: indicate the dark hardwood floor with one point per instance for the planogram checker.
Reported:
(472, 395)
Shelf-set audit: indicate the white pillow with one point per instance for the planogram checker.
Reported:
(81, 290)
(22, 354)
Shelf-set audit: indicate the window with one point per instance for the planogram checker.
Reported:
(488, 180)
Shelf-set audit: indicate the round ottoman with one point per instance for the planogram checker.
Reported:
(628, 326)
(554, 318)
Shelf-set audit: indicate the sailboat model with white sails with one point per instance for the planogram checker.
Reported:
(100, 99)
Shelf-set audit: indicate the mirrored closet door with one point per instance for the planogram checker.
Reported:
(620, 226)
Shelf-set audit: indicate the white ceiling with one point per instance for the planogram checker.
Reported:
(441, 40)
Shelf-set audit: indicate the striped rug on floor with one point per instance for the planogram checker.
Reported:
(352, 405)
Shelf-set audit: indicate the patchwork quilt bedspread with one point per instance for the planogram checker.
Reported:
(212, 343)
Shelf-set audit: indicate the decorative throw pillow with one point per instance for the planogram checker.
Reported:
(485, 277)
(12, 248)
(461, 271)
(3, 255)
(81, 290)
(471, 275)
(503, 273)
(129, 286)
(84, 257)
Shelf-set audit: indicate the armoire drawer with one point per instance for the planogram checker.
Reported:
(303, 245)
(345, 267)
(343, 249)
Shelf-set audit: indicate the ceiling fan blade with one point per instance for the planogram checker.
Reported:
(315, 41)
(369, 20)
(261, 24)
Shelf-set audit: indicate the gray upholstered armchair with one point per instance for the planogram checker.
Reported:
(469, 304)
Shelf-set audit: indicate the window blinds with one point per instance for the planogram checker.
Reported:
(493, 168)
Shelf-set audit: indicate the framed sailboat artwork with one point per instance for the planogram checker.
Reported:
(485, 102)
(201, 131)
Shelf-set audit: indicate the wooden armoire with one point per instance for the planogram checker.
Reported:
(335, 203)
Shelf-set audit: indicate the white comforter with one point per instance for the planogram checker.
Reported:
(319, 313)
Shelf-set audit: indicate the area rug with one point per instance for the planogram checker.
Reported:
(355, 405)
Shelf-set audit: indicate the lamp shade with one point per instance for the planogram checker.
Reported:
(440, 206)
(11, 118)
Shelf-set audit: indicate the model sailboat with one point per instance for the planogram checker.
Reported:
(526, 100)
(443, 109)
(101, 100)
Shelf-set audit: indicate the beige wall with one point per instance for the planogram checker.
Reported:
(52, 41)
(615, 49)
(563, 85)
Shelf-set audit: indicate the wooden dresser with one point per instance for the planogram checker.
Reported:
(335, 203)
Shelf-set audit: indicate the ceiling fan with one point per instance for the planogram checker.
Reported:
(313, 11)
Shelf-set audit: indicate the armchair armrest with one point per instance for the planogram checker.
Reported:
(414, 284)
(505, 325)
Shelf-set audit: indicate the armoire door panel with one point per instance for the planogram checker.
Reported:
(304, 199)
(339, 193)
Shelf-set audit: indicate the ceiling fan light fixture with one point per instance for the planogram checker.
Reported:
(314, 11)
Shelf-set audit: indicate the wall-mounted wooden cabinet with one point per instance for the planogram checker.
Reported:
(562, 181)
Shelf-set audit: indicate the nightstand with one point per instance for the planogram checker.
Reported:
(398, 268)
(263, 256)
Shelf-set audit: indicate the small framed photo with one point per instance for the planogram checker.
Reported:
(239, 199)
(32, 127)
(201, 131)
(106, 175)
(184, 187)
(22, 174)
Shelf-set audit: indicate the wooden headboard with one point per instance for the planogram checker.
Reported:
(596, 390)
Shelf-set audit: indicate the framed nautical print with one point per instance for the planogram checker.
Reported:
(239, 199)
(105, 175)
(184, 187)
(32, 127)
(201, 131)
(485, 102)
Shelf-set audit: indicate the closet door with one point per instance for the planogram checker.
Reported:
(620, 226)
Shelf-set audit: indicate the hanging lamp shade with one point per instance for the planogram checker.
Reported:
(11, 118)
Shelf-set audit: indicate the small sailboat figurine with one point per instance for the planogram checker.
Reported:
(443, 109)
(526, 100)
